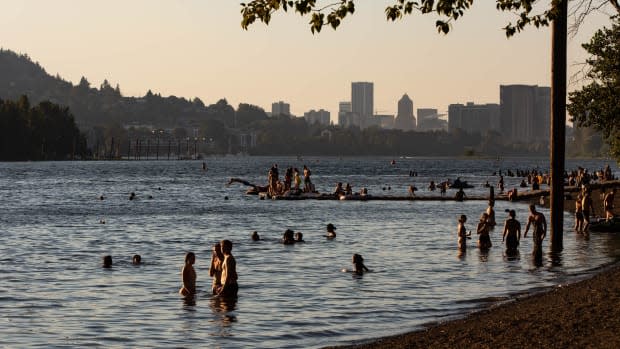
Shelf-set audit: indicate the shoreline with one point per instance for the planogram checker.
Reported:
(583, 313)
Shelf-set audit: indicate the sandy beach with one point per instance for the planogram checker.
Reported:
(585, 314)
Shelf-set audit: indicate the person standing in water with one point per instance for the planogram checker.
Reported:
(358, 264)
(215, 269)
(229, 287)
(484, 240)
(462, 232)
(188, 275)
(512, 232)
(539, 230)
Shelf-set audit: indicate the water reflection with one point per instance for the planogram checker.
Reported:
(484, 255)
(512, 255)
(555, 257)
(189, 302)
(223, 315)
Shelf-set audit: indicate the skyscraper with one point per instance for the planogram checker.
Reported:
(362, 99)
(525, 112)
(405, 119)
(473, 118)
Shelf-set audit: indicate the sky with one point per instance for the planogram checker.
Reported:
(197, 48)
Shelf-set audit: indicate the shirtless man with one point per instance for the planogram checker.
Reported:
(512, 232)
(587, 208)
(229, 287)
(539, 230)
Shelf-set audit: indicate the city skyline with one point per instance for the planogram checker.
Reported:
(197, 49)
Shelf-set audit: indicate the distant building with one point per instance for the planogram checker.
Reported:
(386, 121)
(525, 112)
(428, 120)
(280, 108)
(405, 120)
(362, 99)
(321, 117)
(473, 118)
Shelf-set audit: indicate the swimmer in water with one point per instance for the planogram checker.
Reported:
(255, 236)
(299, 237)
(331, 233)
(132, 196)
(107, 261)
(136, 259)
(358, 264)
(288, 237)
(188, 275)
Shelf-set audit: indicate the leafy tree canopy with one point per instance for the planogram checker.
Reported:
(333, 12)
(597, 104)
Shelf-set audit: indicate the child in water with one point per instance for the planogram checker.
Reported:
(188, 275)
(358, 264)
(462, 232)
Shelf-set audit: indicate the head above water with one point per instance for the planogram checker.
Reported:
(357, 258)
(532, 208)
(137, 259)
(331, 227)
(107, 261)
(254, 236)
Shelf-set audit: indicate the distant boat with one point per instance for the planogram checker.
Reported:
(459, 184)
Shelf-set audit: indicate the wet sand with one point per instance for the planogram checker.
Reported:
(585, 314)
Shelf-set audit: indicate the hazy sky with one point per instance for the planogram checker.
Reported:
(196, 48)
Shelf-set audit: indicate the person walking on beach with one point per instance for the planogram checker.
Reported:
(608, 204)
(188, 275)
(512, 232)
(539, 231)
(229, 287)
(484, 240)
(215, 269)
(462, 232)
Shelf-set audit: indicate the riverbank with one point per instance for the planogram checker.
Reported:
(580, 315)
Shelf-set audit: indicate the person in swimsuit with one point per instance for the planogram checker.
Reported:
(188, 275)
(608, 204)
(307, 181)
(491, 214)
(484, 240)
(512, 232)
(587, 207)
(579, 214)
(462, 232)
(215, 269)
(296, 178)
(229, 287)
(539, 231)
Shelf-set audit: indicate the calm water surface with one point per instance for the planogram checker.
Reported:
(54, 293)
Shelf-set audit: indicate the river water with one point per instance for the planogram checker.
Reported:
(54, 293)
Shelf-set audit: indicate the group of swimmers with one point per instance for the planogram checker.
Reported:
(223, 270)
(291, 182)
(107, 260)
(584, 208)
(511, 234)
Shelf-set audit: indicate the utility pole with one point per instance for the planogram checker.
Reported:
(558, 123)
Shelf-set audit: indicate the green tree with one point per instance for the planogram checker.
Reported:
(334, 12)
(597, 104)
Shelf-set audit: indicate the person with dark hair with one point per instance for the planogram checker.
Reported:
(299, 237)
(331, 233)
(512, 232)
(215, 269)
(462, 232)
(136, 260)
(255, 236)
(229, 287)
(358, 264)
(484, 240)
(539, 230)
(188, 275)
(288, 237)
(107, 261)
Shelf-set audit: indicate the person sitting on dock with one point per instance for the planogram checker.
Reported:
(331, 233)
(296, 178)
(412, 189)
(339, 190)
(348, 190)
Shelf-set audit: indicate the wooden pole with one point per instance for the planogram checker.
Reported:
(558, 123)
